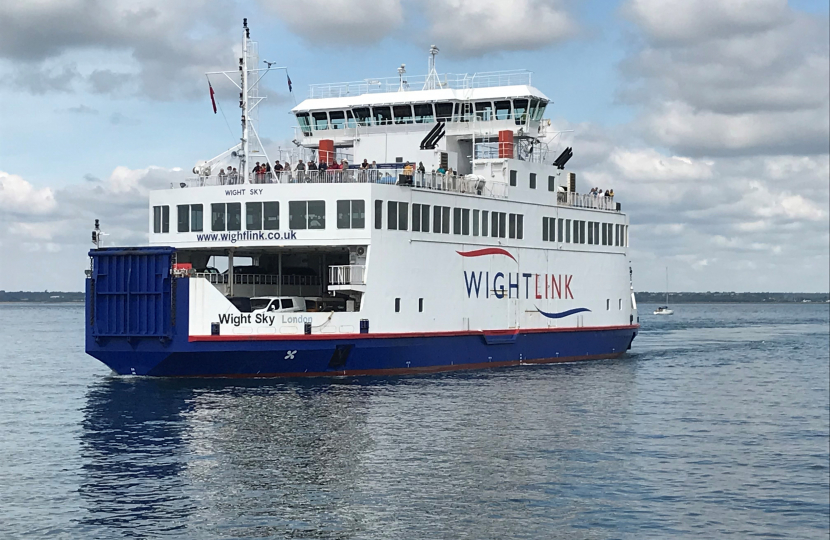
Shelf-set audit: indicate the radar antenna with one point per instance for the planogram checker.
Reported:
(432, 81)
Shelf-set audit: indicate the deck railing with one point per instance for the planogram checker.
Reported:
(259, 279)
(349, 274)
(469, 184)
(579, 200)
(456, 81)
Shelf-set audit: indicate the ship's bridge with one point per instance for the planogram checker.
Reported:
(380, 122)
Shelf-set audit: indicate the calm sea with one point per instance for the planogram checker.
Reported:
(714, 425)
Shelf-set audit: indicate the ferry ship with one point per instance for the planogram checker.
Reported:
(452, 237)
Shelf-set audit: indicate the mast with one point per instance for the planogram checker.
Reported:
(667, 286)
(243, 68)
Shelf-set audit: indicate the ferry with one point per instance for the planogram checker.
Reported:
(438, 229)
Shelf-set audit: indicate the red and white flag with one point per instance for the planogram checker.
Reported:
(212, 99)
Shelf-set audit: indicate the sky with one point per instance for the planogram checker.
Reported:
(709, 119)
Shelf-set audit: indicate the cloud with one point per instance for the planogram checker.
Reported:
(730, 78)
(117, 118)
(19, 197)
(167, 45)
(82, 109)
(343, 22)
(497, 25)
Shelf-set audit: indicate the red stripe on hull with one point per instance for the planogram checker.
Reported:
(413, 371)
(402, 335)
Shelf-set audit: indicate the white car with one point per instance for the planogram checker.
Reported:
(277, 304)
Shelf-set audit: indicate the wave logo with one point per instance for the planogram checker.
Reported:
(487, 251)
(561, 314)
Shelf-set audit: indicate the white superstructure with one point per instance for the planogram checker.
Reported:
(488, 235)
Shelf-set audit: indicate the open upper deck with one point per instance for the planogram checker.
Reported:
(453, 81)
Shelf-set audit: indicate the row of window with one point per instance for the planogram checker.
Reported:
(351, 214)
(423, 113)
(446, 220)
(398, 305)
(532, 181)
(573, 231)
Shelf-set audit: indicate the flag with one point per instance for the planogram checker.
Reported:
(212, 99)
(290, 89)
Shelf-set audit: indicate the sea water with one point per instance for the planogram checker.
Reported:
(715, 424)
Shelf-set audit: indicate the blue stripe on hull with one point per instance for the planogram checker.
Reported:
(369, 356)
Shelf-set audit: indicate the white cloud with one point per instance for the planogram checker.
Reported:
(476, 27)
(20, 197)
(332, 22)
(168, 45)
(730, 78)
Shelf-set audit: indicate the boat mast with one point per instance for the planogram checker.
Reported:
(243, 68)
(667, 286)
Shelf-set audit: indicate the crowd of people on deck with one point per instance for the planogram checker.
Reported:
(597, 192)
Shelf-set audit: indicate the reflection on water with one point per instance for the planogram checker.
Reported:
(344, 458)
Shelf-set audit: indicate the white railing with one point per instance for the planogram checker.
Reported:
(469, 184)
(259, 279)
(349, 274)
(578, 200)
(418, 82)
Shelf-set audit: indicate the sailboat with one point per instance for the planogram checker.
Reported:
(664, 310)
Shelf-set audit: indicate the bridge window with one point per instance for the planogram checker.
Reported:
(485, 220)
(532, 180)
(476, 222)
(338, 119)
(484, 110)
(502, 110)
(520, 111)
(604, 234)
(403, 114)
(443, 111)
(559, 232)
(363, 116)
(456, 218)
(217, 218)
(590, 233)
(423, 113)
(382, 115)
(196, 217)
(581, 232)
(350, 123)
(568, 231)
(441, 219)
(465, 221)
(307, 214)
(351, 214)
(544, 229)
(305, 124)
(540, 111)
(320, 120)
(184, 217)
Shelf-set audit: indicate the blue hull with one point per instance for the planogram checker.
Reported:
(141, 329)
(363, 356)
